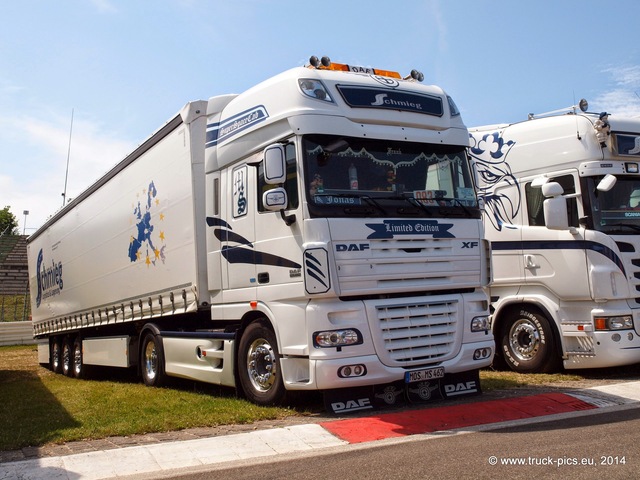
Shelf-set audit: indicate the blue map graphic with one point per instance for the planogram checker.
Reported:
(142, 244)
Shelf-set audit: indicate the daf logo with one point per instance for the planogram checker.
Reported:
(352, 405)
(469, 244)
(459, 388)
(352, 247)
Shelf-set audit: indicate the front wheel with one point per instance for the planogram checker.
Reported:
(152, 361)
(259, 366)
(527, 343)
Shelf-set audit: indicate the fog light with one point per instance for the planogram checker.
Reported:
(615, 337)
(351, 371)
(481, 353)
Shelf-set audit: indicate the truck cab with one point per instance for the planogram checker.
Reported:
(560, 200)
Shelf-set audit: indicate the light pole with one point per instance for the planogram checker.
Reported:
(24, 227)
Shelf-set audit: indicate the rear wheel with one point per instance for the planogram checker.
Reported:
(527, 343)
(55, 357)
(79, 368)
(259, 366)
(152, 361)
(67, 358)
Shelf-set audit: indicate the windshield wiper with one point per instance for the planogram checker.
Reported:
(447, 210)
(410, 200)
(464, 207)
(627, 225)
(357, 208)
(371, 201)
(420, 205)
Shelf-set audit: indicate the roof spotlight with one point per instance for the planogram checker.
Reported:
(415, 75)
(318, 63)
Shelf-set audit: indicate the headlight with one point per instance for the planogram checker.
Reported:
(480, 324)
(337, 338)
(314, 89)
(622, 322)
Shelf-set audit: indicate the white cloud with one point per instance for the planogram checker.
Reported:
(36, 181)
(623, 99)
(104, 6)
(628, 76)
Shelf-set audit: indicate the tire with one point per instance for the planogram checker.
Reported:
(527, 343)
(79, 369)
(259, 366)
(67, 358)
(55, 357)
(152, 361)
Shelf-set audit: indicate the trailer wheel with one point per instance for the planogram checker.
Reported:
(527, 343)
(55, 357)
(67, 358)
(258, 366)
(152, 361)
(79, 368)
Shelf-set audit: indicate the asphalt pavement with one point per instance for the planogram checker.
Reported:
(161, 456)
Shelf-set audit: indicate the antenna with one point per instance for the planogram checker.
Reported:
(66, 175)
(586, 105)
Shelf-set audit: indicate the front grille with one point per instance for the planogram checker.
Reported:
(632, 264)
(418, 333)
(401, 265)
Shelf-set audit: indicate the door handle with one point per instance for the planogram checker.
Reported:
(530, 261)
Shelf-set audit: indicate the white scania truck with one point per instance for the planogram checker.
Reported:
(562, 200)
(318, 232)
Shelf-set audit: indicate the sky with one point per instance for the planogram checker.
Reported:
(83, 82)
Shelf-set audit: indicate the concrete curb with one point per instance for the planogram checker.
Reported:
(296, 439)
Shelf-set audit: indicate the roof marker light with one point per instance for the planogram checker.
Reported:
(325, 64)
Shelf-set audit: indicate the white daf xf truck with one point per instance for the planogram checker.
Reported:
(562, 198)
(319, 231)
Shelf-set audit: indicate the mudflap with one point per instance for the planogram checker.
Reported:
(348, 400)
(342, 401)
(452, 385)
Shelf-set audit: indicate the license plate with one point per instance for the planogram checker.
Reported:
(426, 374)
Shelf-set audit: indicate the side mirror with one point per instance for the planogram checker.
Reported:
(275, 165)
(555, 207)
(606, 183)
(275, 199)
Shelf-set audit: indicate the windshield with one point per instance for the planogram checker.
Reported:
(618, 210)
(347, 176)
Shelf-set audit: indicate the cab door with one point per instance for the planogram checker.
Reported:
(503, 226)
(278, 243)
(555, 259)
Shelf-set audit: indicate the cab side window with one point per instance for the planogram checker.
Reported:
(535, 199)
